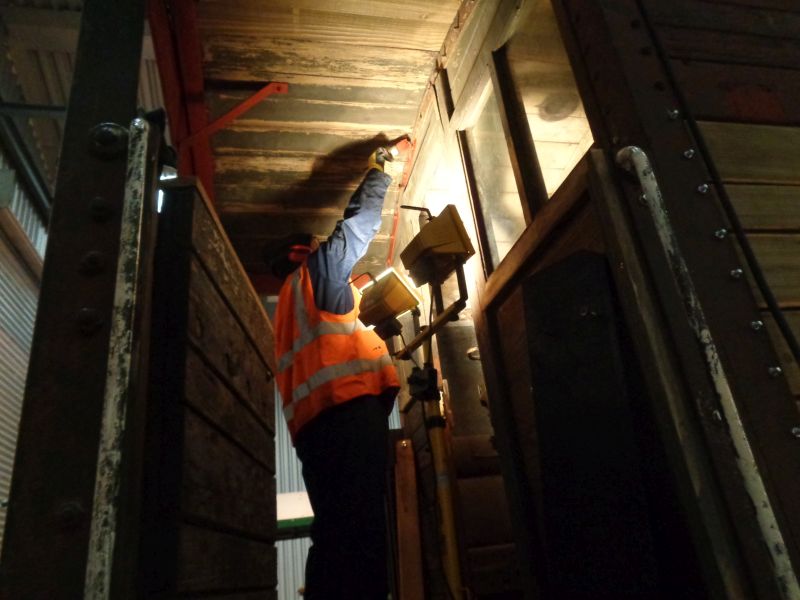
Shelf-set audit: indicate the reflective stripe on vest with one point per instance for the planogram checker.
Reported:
(308, 334)
(329, 373)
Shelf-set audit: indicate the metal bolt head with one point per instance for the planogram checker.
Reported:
(796, 432)
(756, 325)
(703, 188)
(100, 209)
(108, 140)
(404, 444)
(721, 234)
(92, 263)
(689, 153)
(673, 113)
(70, 514)
(775, 372)
(89, 321)
(736, 273)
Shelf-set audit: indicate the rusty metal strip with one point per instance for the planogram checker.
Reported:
(634, 159)
(121, 371)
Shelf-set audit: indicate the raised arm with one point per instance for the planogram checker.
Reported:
(362, 219)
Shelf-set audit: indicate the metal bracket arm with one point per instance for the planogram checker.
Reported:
(240, 109)
(442, 318)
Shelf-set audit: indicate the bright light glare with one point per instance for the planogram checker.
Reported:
(166, 173)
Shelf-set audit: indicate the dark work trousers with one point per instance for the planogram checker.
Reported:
(343, 451)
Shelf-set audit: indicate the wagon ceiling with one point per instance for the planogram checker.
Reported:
(357, 71)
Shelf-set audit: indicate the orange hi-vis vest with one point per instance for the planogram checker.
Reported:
(324, 359)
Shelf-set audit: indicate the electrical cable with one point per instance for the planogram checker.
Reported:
(411, 354)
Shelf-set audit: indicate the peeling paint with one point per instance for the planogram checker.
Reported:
(119, 373)
(634, 159)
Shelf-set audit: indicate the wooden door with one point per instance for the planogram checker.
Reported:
(719, 483)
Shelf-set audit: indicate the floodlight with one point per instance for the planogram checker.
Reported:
(438, 249)
(384, 299)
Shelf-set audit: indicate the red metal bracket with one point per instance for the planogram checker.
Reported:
(176, 38)
(221, 122)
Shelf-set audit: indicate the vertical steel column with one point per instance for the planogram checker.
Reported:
(47, 533)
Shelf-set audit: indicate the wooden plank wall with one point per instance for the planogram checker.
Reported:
(220, 480)
(737, 64)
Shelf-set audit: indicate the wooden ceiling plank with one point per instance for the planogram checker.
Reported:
(315, 112)
(324, 26)
(354, 130)
(335, 82)
(250, 58)
(220, 101)
(269, 170)
(438, 11)
(231, 141)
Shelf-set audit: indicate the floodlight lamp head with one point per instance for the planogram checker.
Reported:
(441, 246)
(383, 300)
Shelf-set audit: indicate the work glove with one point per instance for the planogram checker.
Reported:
(379, 157)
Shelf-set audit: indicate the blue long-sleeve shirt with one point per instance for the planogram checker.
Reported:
(331, 265)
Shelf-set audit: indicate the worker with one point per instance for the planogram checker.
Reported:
(337, 384)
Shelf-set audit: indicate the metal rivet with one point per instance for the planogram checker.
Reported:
(717, 415)
(138, 123)
(703, 188)
(70, 514)
(89, 321)
(673, 113)
(100, 209)
(756, 325)
(736, 273)
(404, 444)
(108, 140)
(92, 263)
(721, 234)
(689, 153)
(775, 372)
(796, 432)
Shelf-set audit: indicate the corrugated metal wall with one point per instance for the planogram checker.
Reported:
(19, 292)
(291, 553)
(22, 209)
